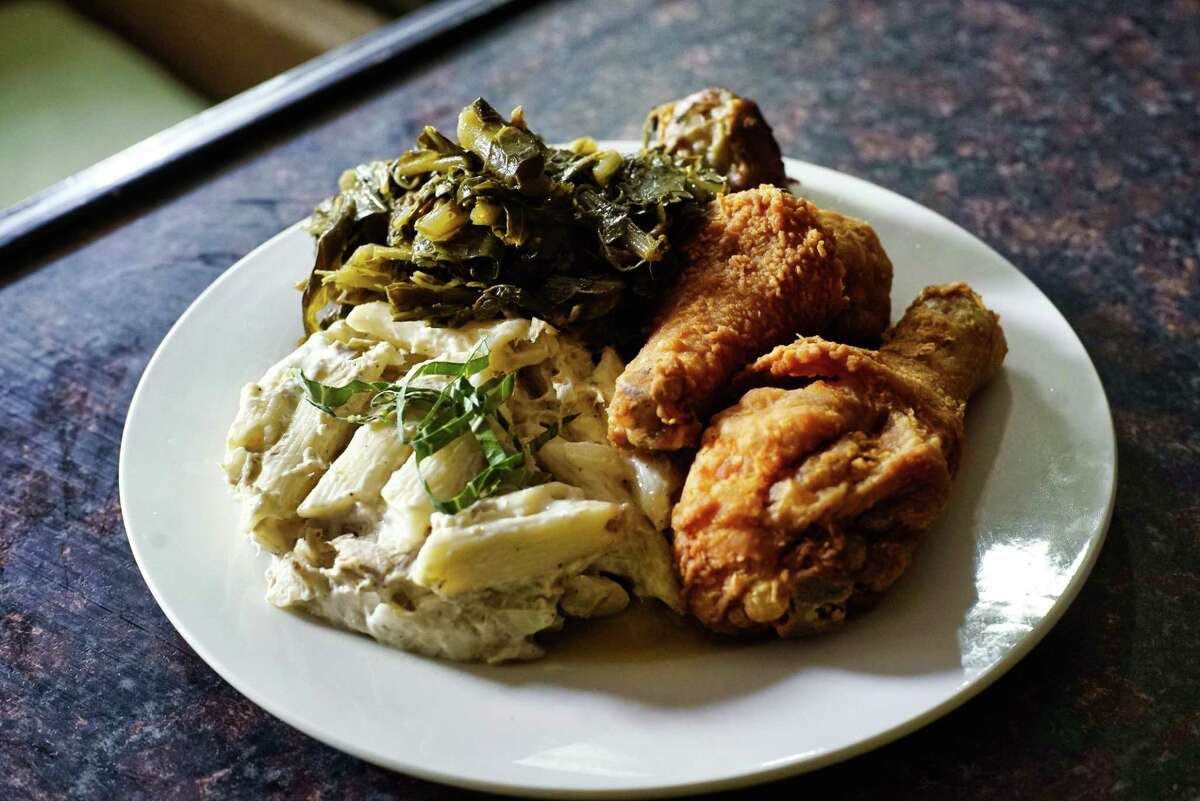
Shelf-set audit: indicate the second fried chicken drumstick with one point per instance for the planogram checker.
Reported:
(760, 270)
(805, 504)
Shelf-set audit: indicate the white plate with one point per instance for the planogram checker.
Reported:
(668, 712)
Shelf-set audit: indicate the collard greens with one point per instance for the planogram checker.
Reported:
(499, 224)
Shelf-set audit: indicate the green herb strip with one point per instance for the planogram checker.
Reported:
(458, 408)
(328, 399)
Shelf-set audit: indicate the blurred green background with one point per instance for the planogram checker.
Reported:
(82, 79)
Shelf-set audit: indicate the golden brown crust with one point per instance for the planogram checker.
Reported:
(868, 283)
(948, 331)
(803, 504)
(761, 269)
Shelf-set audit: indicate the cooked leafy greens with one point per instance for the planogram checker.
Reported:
(430, 419)
(500, 224)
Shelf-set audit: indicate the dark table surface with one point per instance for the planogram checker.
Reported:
(1065, 134)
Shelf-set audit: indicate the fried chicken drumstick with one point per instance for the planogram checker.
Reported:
(868, 281)
(765, 267)
(804, 504)
(761, 270)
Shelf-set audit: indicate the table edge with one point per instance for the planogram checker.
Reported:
(160, 151)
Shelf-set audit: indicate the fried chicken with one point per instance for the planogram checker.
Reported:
(760, 270)
(868, 282)
(804, 504)
(765, 267)
(727, 131)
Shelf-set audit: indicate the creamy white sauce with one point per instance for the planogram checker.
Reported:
(356, 541)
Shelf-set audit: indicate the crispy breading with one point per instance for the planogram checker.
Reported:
(760, 270)
(729, 132)
(805, 504)
(868, 282)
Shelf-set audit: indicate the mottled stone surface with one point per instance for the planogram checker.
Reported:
(1065, 134)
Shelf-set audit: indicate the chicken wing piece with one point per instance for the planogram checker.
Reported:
(868, 280)
(728, 131)
(805, 504)
(760, 270)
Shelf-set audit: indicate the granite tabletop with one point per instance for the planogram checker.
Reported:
(1065, 134)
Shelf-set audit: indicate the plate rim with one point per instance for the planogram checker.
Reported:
(792, 766)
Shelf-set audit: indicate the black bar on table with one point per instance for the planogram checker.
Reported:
(210, 126)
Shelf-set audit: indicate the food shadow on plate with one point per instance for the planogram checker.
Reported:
(649, 656)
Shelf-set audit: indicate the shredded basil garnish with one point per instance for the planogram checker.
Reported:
(430, 419)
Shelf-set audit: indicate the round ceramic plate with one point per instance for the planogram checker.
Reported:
(641, 704)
